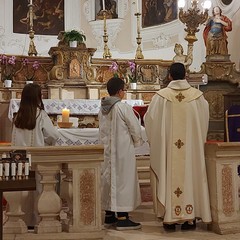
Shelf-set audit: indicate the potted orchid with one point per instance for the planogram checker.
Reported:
(132, 77)
(114, 68)
(31, 68)
(7, 69)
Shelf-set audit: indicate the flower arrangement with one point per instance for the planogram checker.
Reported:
(7, 67)
(114, 68)
(30, 72)
(74, 35)
(132, 77)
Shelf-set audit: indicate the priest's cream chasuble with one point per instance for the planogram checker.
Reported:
(176, 124)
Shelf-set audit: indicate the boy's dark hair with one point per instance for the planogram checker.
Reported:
(114, 85)
(31, 100)
(177, 71)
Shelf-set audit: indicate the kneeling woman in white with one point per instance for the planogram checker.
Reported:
(32, 127)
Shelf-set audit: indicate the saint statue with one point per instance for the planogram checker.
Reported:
(214, 34)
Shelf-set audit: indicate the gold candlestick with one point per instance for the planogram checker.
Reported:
(139, 54)
(32, 49)
(106, 53)
(192, 18)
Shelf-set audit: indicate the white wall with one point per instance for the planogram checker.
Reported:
(123, 33)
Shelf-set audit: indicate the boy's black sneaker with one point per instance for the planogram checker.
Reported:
(124, 223)
(110, 220)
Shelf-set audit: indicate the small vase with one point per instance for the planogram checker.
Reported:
(29, 81)
(133, 85)
(7, 83)
(73, 44)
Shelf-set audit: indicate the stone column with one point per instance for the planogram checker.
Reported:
(49, 203)
(14, 223)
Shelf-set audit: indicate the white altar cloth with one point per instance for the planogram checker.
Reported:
(89, 136)
(76, 106)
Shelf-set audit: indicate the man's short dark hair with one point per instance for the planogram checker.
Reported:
(177, 71)
(114, 85)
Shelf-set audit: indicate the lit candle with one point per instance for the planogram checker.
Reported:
(103, 4)
(65, 115)
(137, 6)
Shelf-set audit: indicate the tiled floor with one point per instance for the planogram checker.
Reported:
(152, 230)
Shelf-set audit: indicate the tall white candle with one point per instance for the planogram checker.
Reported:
(103, 4)
(13, 169)
(1, 169)
(6, 169)
(29, 159)
(20, 165)
(137, 6)
(26, 169)
(31, 2)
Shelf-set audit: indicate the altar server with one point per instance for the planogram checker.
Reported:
(32, 127)
(120, 132)
(176, 125)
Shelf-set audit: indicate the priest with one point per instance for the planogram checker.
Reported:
(176, 125)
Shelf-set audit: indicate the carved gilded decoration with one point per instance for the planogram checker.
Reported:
(72, 64)
(6, 96)
(227, 190)
(147, 97)
(87, 196)
(215, 99)
(220, 71)
(74, 69)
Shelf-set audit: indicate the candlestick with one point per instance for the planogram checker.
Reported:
(139, 54)
(106, 50)
(103, 5)
(32, 49)
(65, 115)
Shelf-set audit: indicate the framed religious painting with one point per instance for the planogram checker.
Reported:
(111, 7)
(48, 16)
(156, 12)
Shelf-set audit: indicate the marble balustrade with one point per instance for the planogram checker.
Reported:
(80, 188)
(222, 161)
